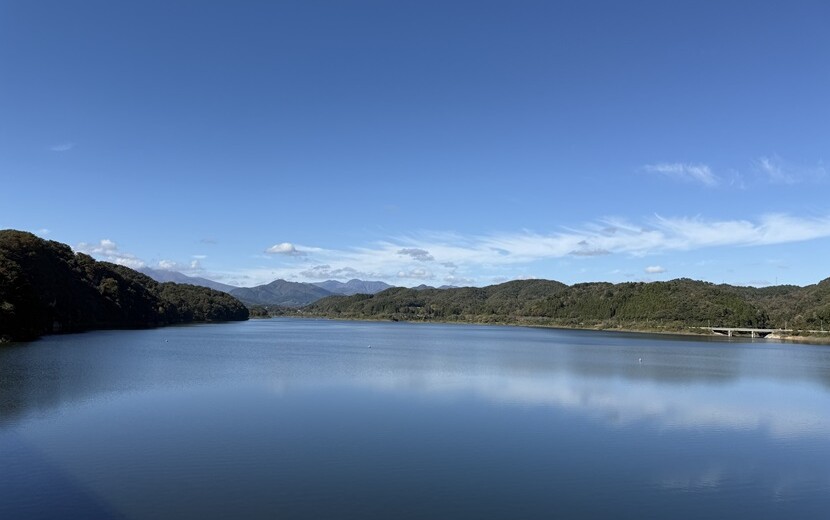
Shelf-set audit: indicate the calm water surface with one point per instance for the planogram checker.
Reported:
(320, 419)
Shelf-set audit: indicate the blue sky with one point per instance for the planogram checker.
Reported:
(423, 142)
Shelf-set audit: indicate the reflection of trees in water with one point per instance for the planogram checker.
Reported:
(27, 383)
(43, 375)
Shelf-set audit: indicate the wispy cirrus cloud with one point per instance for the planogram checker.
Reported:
(770, 168)
(779, 171)
(774, 170)
(477, 258)
(699, 173)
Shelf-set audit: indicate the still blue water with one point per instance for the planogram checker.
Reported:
(320, 419)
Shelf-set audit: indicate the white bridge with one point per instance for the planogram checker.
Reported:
(744, 331)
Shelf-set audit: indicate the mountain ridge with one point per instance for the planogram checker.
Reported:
(285, 293)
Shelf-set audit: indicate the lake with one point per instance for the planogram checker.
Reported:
(294, 418)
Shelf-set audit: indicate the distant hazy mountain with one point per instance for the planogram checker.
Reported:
(163, 275)
(424, 287)
(353, 286)
(281, 292)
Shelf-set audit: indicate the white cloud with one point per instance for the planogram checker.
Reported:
(506, 254)
(168, 265)
(421, 255)
(459, 280)
(326, 272)
(685, 171)
(42, 232)
(285, 248)
(416, 274)
(655, 269)
(588, 251)
(183, 267)
(108, 251)
(62, 147)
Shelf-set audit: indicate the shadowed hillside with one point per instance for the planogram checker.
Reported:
(45, 288)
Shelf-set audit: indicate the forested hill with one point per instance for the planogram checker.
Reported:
(45, 287)
(281, 292)
(672, 305)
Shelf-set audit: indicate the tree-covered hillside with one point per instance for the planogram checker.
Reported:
(790, 306)
(45, 287)
(674, 304)
(282, 293)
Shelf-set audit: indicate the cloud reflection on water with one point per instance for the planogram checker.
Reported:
(782, 409)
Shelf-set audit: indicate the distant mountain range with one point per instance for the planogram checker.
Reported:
(163, 275)
(298, 294)
(353, 286)
(281, 292)
(278, 292)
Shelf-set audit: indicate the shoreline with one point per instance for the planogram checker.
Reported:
(5, 341)
(807, 340)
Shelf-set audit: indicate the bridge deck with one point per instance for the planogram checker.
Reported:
(755, 333)
(744, 329)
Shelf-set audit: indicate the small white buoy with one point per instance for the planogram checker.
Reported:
(641, 361)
